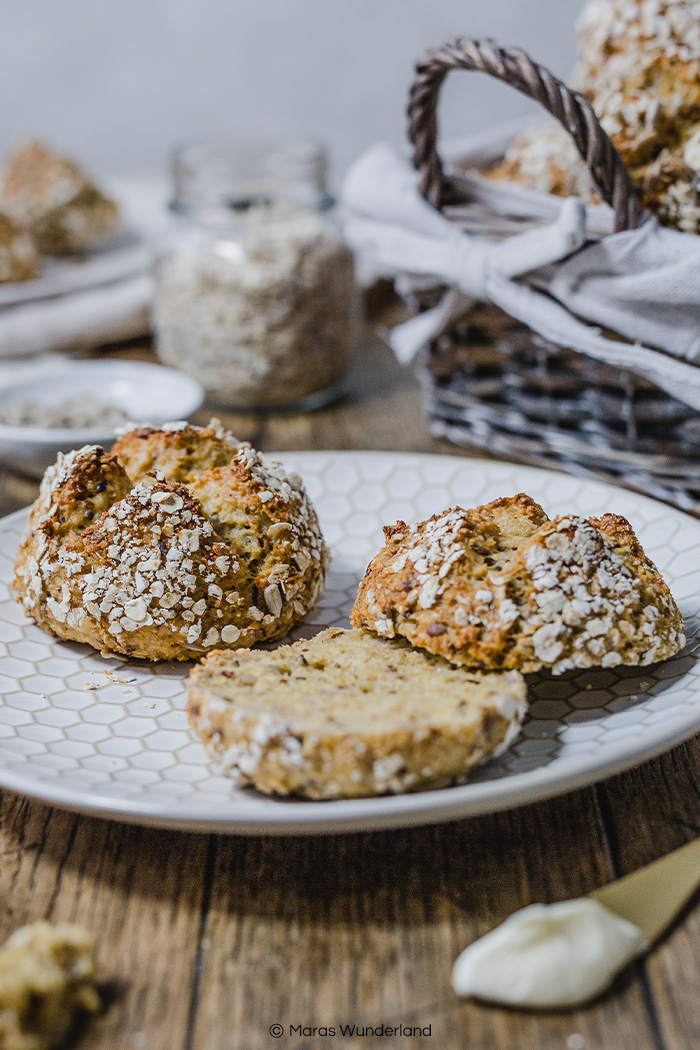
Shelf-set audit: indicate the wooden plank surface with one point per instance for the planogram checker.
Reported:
(649, 812)
(207, 941)
(363, 929)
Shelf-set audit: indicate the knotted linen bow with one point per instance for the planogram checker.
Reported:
(643, 284)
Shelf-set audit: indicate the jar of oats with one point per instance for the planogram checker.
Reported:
(255, 290)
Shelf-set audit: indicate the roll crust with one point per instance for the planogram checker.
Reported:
(502, 586)
(179, 541)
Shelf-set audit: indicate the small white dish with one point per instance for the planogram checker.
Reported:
(146, 393)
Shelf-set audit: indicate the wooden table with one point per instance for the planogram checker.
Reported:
(207, 941)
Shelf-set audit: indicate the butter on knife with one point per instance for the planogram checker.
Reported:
(552, 956)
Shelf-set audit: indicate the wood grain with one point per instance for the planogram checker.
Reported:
(363, 929)
(207, 941)
(140, 891)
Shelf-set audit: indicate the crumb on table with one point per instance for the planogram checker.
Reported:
(47, 979)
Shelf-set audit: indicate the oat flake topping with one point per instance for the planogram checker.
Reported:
(501, 586)
(131, 567)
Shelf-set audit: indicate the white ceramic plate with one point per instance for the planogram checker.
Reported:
(111, 738)
(123, 255)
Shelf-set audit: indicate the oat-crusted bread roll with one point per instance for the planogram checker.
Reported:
(501, 586)
(179, 541)
(639, 63)
(346, 715)
(52, 197)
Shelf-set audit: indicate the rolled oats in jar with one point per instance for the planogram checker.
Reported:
(256, 293)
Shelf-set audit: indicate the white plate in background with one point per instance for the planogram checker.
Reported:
(123, 255)
(127, 253)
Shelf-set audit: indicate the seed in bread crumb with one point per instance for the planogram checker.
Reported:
(346, 714)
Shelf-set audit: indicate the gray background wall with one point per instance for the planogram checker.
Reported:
(117, 82)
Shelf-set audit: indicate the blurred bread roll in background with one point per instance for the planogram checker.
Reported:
(19, 260)
(53, 199)
(639, 63)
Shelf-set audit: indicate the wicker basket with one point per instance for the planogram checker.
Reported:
(491, 383)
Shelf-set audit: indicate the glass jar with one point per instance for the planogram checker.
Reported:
(256, 294)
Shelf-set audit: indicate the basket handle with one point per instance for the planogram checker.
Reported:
(573, 111)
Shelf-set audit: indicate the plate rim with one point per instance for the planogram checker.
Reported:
(385, 812)
(108, 264)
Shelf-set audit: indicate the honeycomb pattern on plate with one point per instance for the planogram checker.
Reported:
(112, 735)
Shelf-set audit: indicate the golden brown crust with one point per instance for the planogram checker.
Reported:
(502, 587)
(181, 454)
(619, 530)
(346, 715)
(156, 568)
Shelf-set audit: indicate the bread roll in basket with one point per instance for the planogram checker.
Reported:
(517, 294)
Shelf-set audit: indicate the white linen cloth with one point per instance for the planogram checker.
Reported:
(77, 320)
(103, 310)
(643, 284)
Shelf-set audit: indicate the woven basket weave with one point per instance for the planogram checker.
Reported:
(490, 382)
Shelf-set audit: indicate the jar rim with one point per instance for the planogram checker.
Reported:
(231, 177)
